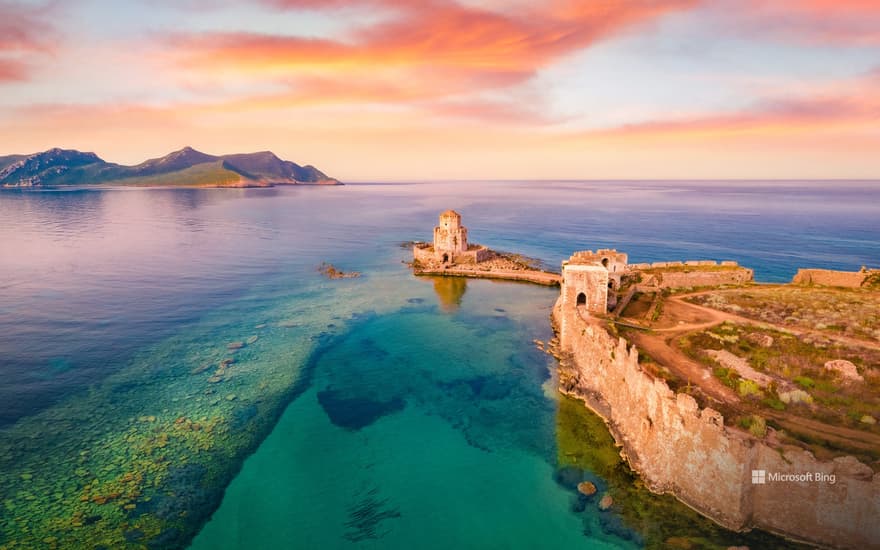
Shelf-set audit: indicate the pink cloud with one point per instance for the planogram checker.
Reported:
(848, 107)
(426, 50)
(24, 37)
(836, 22)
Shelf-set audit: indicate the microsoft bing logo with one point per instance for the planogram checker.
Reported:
(759, 477)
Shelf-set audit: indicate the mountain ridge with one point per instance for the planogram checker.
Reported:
(185, 167)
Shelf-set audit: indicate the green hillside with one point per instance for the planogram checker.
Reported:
(184, 168)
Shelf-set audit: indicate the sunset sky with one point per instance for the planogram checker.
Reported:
(436, 89)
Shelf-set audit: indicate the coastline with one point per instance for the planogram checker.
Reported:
(243, 184)
(678, 448)
(675, 444)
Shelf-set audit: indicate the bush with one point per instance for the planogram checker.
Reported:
(728, 377)
(774, 403)
(758, 427)
(749, 387)
(805, 382)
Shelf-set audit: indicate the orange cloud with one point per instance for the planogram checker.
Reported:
(428, 50)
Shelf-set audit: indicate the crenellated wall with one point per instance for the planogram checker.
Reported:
(678, 447)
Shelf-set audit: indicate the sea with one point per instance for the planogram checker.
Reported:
(175, 371)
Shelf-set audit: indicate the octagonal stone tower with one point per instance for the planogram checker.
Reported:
(450, 237)
(450, 245)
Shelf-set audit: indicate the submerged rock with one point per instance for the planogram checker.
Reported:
(354, 413)
(569, 477)
(331, 272)
(201, 368)
(586, 488)
(606, 502)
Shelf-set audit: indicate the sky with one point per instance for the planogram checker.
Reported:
(400, 90)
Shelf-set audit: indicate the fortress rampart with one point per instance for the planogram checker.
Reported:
(679, 448)
(692, 273)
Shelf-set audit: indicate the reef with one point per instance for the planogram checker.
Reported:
(331, 272)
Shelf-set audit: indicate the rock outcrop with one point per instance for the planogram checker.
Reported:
(845, 369)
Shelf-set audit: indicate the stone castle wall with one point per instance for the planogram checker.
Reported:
(827, 277)
(677, 274)
(427, 254)
(684, 279)
(678, 447)
(590, 283)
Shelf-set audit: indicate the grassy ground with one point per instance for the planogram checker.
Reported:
(849, 312)
(796, 363)
(200, 175)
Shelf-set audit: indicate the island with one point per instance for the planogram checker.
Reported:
(450, 255)
(184, 168)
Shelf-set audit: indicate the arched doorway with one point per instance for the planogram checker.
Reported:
(446, 258)
(581, 299)
(605, 263)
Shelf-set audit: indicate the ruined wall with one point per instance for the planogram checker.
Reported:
(679, 448)
(693, 273)
(683, 279)
(827, 277)
(612, 260)
(423, 252)
(428, 254)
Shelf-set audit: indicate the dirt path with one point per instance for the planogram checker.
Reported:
(660, 350)
(660, 345)
(847, 437)
(718, 317)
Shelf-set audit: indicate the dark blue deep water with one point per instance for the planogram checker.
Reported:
(382, 410)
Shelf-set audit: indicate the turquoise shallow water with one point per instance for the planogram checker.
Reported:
(384, 411)
(461, 453)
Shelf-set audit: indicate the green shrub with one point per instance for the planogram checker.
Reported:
(774, 402)
(758, 426)
(755, 424)
(805, 382)
(749, 387)
(728, 377)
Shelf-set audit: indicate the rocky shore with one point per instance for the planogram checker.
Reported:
(680, 448)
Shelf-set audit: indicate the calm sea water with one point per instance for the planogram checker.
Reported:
(383, 411)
